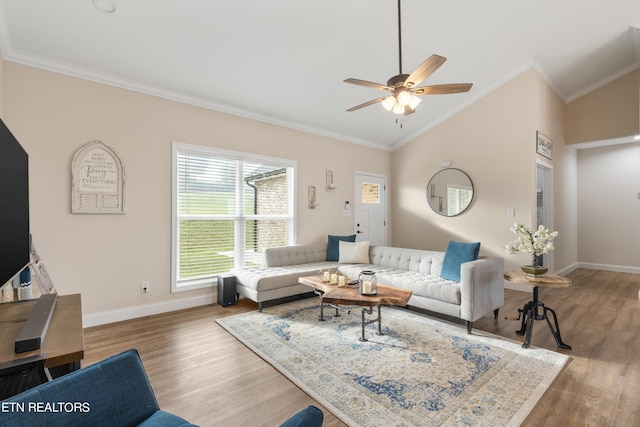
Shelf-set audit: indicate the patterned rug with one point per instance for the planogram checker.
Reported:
(422, 372)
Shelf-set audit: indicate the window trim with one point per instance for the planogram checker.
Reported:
(179, 147)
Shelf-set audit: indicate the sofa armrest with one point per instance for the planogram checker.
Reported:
(292, 255)
(481, 287)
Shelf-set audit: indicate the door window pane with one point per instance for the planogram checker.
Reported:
(370, 193)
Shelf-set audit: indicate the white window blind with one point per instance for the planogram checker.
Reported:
(228, 208)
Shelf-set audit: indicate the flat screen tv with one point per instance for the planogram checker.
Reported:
(14, 206)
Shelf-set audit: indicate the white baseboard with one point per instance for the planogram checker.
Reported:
(111, 316)
(609, 267)
(568, 269)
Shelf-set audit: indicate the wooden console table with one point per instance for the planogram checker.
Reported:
(530, 310)
(64, 342)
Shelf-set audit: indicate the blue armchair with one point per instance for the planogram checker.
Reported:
(113, 392)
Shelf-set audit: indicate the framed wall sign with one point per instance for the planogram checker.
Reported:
(97, 180)
(544, 145)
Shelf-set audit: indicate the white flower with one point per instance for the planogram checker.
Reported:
(537, 243)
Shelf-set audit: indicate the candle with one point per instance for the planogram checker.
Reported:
(342, 281)
(366, 287)
(326, 276)
(334, 279)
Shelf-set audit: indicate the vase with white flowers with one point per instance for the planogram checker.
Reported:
(536, 242)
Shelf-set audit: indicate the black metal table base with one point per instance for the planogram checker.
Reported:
(530, 313)
(322, 304)
(365, 322)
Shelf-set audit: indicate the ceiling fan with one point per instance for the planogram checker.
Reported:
(404, 95)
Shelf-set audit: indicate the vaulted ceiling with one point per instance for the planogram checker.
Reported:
(284, 61)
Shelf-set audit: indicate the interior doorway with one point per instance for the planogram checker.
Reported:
(544, 204)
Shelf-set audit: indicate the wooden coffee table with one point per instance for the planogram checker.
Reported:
(350, 295)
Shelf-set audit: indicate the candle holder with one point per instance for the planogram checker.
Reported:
(342, 281)
(334, 278)
(326, 276)
(368, 282)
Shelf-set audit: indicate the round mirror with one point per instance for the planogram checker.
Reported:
(450, 192)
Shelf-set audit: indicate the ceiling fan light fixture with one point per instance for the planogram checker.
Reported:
(398, 109)
(389, 102)
(414, 102)
(403, 96)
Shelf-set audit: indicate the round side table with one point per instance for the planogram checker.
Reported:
(531, 310)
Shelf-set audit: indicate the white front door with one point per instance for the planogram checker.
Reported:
(370, 210)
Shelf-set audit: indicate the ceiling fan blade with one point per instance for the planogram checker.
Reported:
(366, 104)
(424, 70)
(369, 84)
(442, 89)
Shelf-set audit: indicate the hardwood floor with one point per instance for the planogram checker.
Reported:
(203, 374)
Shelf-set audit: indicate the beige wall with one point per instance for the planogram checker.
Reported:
(493, 141)
(550, 120)
(611, 111)
(609, 209)
(105, 257)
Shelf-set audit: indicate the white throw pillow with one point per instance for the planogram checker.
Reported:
(354, 253)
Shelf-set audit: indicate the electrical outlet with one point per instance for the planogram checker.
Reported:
(144, 287)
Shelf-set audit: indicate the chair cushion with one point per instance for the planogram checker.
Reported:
(457, 254)
(432, 287)
(333, 248)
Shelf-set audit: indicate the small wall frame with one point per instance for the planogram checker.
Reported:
(544, 145)
(97, 180)
(311, 194)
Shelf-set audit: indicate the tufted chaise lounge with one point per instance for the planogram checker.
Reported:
(278, 277)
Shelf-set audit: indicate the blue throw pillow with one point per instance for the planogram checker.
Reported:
(333, 246)
(457, 254)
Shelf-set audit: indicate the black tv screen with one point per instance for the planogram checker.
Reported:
(14, 206)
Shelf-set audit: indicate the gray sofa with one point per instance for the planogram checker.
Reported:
(479, 291)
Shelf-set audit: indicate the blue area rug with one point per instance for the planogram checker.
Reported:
(422, 372)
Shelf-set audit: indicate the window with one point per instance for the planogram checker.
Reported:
(458, 198)
(228, 207)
